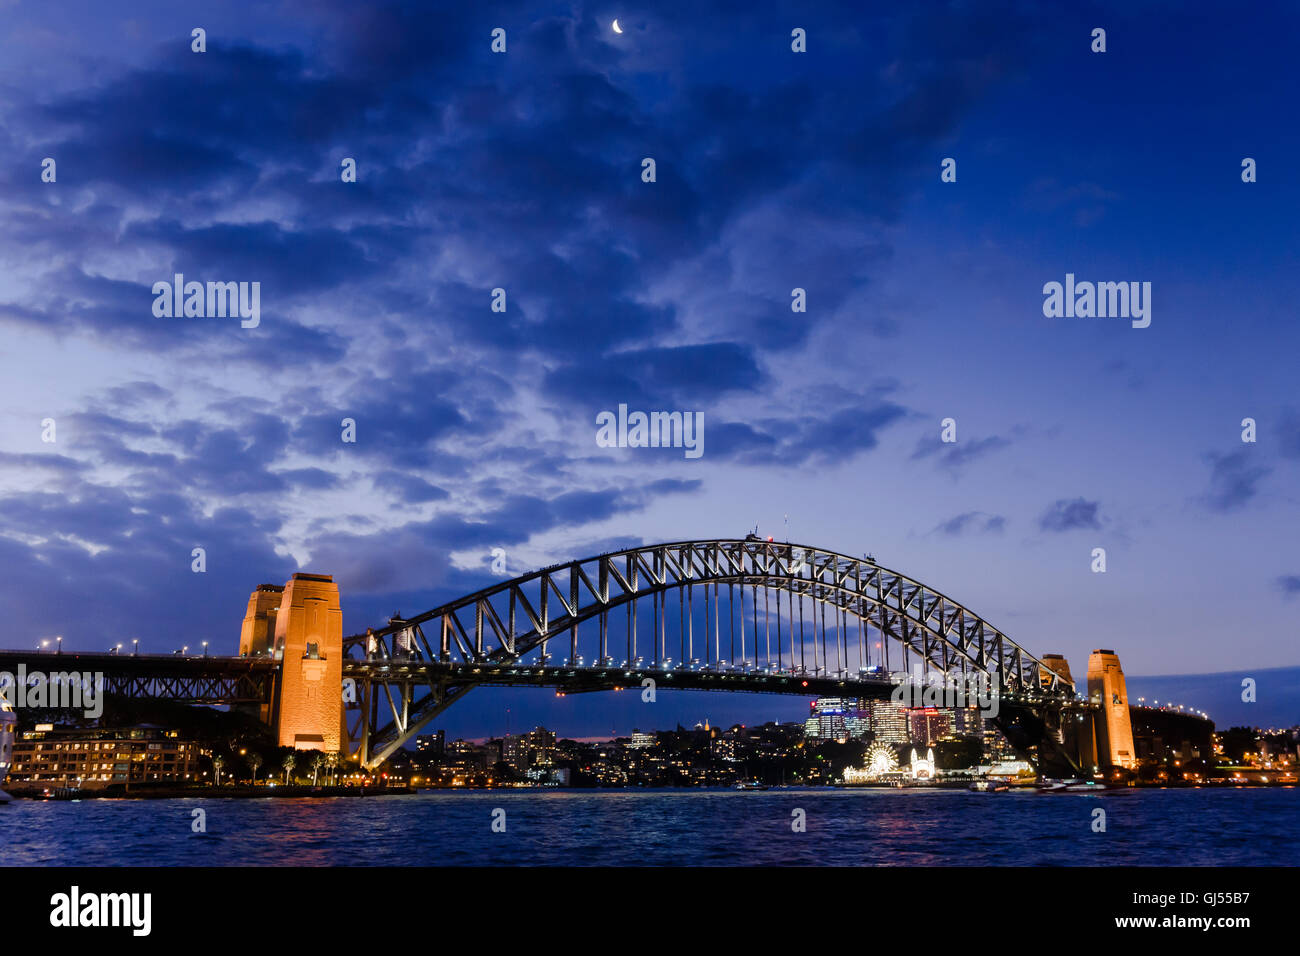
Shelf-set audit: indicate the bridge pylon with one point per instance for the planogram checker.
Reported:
(301, 625)
(1114, 724)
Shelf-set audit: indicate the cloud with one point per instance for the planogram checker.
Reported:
(812, 437)
(1288, 434)
(1070, 514)
(1289, 584)
(409, 489)
(1234, 480)
(954, 456)
(973, 521)
(475, 172)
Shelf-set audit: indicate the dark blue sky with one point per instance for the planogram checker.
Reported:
(776, 170)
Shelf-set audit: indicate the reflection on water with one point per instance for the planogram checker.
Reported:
(655, 827)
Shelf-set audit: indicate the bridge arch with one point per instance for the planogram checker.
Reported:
(426, 662)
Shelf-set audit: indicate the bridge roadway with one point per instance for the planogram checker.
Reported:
(188, 678)
(589, 678)
(217, 679)
(225, 680)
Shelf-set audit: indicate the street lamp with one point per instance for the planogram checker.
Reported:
(205, 648)
(135, 642)
(59, 647)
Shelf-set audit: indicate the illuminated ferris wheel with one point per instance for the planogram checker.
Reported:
(881, 759)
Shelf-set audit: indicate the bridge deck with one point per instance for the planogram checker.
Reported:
(179, 677)
(574, 679)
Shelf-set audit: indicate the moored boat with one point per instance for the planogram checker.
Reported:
(1076, 786)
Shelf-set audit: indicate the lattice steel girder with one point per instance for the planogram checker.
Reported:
(924, 621)
(192, 679)
(377, 743)
(949, 631)
(193, 689)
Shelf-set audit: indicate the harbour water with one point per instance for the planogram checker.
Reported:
(1221, 827)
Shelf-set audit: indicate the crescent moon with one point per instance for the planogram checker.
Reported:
(617, 28)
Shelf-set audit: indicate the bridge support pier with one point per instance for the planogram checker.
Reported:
(301, 625)
(1114, 725)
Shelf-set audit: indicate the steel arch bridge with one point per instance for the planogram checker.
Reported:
(556, 627)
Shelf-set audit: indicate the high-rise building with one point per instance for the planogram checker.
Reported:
(928, 724)
(514, 751)
(889, 722)
(996, 746)
(541, 747)
(836, 718)
(968, 722)
(431, 746)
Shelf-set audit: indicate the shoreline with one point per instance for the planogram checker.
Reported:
(298, 792)
(206, 793)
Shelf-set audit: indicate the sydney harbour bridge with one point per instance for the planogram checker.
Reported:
(745, 615)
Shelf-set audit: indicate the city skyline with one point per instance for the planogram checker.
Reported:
(478, 430)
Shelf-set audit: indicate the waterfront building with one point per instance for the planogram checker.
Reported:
(8, 723)
(90, 758)
(922, 769)
(996, 746)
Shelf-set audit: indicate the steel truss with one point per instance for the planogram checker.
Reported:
(194, 688)
(184, 679)
(526, 617)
